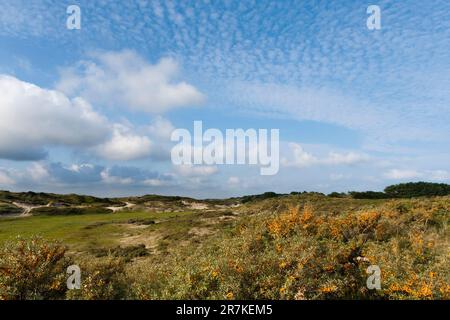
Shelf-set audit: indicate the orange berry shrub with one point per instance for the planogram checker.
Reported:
(32, 269)
(306, 253)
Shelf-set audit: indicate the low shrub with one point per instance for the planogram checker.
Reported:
(32, 269)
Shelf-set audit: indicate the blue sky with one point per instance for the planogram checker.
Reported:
(91, 110)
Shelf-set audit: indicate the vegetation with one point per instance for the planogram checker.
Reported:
(369, 195)
(301, 253)
(406, 190)
(9, 209)
(40, 198)
(417, 189)
(66, 211)
(32, 269)
(299, 246)
(263, 196)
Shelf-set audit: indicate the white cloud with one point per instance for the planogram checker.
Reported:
(110, 179)
(156, 182)
(401, 174)
(197, 170)
(38, 172)
(301, 158)
(161, 128)
(337, 176)
(32, 118)
(125, 145)
(125, 78)
(234, 181)
(404, 174)
(440, 175)
(345, 158)
(5, 179)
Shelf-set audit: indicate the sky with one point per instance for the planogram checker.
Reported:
(92, 110)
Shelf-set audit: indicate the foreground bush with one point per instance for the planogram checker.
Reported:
(32, 269)
(36, 269)
(101, 279)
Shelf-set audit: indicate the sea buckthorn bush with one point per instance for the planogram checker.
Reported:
(304, 253)
(32, 269)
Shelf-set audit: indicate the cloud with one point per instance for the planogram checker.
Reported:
(125, 145)
(38, 172)
(75, 174)
(126, 79)
(161, 128)
(440, 175)
(349, 158)
(234, 181)
(5, 178)
(400, 174)
(301, 158)
(160, 131)
(127, 175)
(33, 118)
(84, 174)
(195, 170)
(409, 174)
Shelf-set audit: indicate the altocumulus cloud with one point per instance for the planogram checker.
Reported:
(126, 79)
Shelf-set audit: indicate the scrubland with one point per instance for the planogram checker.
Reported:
(301, 246)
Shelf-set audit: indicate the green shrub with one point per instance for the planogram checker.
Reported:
(417, 189)
(369, 195)
(65, 211)
(127, 253)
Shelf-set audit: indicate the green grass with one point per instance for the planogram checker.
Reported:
(98, 231)
(78, 231)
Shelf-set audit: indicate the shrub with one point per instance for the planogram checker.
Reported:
(32, 269)
(301, 253)
(369, 195)
(128, 253)
(69, 211)
(417, 189)
(101, 279)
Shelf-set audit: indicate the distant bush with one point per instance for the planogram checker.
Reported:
(32, 269)
(337, 195)
(263, 196)
(369, 195)
(417, 189)
(66, 211)
(406, 190)
(6, 208)
(41, 198)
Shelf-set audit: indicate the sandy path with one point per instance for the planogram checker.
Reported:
(27, 208)
(128, 205)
